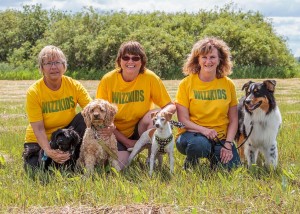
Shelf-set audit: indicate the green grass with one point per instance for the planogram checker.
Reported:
(242, 190)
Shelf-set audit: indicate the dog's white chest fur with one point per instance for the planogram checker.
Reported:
(263, 136)
(265, 126)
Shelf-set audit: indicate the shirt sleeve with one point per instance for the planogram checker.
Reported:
(83, 95)
(182, 95)
(159, 93)
(33, 106)
(234, 100)
(102, 92)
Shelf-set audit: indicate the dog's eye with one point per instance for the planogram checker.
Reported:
(256, 93)
(163, 119)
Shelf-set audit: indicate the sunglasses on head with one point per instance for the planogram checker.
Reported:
(134, 58)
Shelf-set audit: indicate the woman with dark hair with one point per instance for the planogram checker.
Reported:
(135, 90)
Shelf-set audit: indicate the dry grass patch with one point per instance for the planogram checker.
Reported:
(124, 209)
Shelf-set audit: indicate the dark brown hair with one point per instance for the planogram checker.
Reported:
(133, 48)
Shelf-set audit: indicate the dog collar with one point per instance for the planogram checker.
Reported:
(101, 126)
(177, 124)
(162, 142)
(44, 156)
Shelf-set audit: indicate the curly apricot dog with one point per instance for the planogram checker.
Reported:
(95, 149)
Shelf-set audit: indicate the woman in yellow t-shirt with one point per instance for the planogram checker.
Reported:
(206, 103)
(135, 90)
(51, 104)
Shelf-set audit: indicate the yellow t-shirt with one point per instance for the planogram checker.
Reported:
(134, 99)
(208, 102)
(56, 108)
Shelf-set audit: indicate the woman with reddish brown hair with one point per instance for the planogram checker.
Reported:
(206, 103)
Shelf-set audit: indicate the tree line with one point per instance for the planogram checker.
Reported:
(90, 39)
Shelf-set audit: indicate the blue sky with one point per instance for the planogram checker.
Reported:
(285, 14)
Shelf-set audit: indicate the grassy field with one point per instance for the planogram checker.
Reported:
(132, 191)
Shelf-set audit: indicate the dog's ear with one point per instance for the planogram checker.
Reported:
(86, 116)
(246, 86)
(54, 135)
(270, 85)
(167, 115)
(153, 114)
(75, 136)
(113, 109)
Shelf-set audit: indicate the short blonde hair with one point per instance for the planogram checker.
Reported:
(204, 47)
(49, 53)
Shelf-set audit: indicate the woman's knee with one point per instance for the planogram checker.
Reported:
(235, 161)
(198, 148)
(31, 155)
(123, 158)
(193, 145)
(181, 144)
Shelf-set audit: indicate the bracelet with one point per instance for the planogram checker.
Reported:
(227, 141)
(231, 143)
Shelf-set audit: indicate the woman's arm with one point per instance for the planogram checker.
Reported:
(123, 139)
(170, 107)
(233, 123)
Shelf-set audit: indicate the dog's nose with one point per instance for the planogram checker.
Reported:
(157, 125)
(247, 102)
(96, 116)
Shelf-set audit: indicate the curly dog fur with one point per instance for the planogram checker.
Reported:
(95, 149)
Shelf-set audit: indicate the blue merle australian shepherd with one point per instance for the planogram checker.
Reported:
(259, 122)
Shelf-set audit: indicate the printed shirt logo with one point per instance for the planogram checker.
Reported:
(128, 97)
(217, 94)
(58, 105)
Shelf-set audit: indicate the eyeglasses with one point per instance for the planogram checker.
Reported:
(50, 64)
(134, 58)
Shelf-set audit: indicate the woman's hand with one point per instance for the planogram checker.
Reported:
(130, 143)
(58, 156)
(107, 132)
(226, 154)
(209, 133)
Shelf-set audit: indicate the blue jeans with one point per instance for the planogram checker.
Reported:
(195, 145)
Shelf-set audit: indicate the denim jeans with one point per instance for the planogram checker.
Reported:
(195, 145)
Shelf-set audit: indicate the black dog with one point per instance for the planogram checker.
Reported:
(66, 140)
